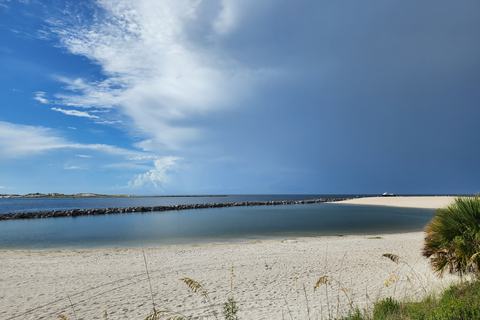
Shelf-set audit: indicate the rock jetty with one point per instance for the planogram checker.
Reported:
(100, 211)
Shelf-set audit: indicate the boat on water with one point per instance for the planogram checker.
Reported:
(385, 194)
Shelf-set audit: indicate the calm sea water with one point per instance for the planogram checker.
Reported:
(197, 226)
(45, 204)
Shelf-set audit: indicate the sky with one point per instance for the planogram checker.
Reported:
(164, 97)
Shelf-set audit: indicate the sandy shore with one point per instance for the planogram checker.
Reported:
(35, 284)
(406, 202)
(270, 277)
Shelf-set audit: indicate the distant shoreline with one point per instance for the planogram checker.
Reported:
(95, 195)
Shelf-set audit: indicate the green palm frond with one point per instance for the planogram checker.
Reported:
(452, 238)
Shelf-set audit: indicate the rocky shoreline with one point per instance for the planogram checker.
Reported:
(100, 211)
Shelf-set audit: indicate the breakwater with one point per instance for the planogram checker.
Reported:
(102, 211)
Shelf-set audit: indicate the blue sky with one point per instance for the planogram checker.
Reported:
(229, 97)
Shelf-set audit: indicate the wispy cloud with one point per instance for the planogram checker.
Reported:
(73, 168)
(102, 95)
(228, 17)
(27, 141)
(108, 122)
(2, 4)
(23, 141)
(40, 97)
(76, 113)
(157, 73)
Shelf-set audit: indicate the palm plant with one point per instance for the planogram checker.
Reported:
(452, 239)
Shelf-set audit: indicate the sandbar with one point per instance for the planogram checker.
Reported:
(427, 202)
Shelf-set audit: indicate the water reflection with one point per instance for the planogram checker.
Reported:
(209, 225)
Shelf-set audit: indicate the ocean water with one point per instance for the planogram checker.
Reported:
(46, 204)
(198, 225)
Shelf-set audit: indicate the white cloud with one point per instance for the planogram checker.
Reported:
(40, 96)
(106, 149)
(76, 113)
(23, 141)
(233, 13)
(227, 17)
(2, 4)
(108, 122)
(27, 141)
(103, 95)
(72, 128)
(155, 74)
(166, 136)
(156, 176)
(142, 158)
(73, 168)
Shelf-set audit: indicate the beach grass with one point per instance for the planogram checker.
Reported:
(459, 301)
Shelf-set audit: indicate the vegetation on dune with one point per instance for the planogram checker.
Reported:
(459, 302)
(452, 242)
(452, 239)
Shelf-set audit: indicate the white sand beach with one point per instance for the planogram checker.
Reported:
(433, 202)
(274, 279)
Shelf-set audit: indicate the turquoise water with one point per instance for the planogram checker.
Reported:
(209, 225)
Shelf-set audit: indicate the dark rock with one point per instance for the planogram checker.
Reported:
(97, 211)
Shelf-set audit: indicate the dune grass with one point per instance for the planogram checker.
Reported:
(459, 302)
